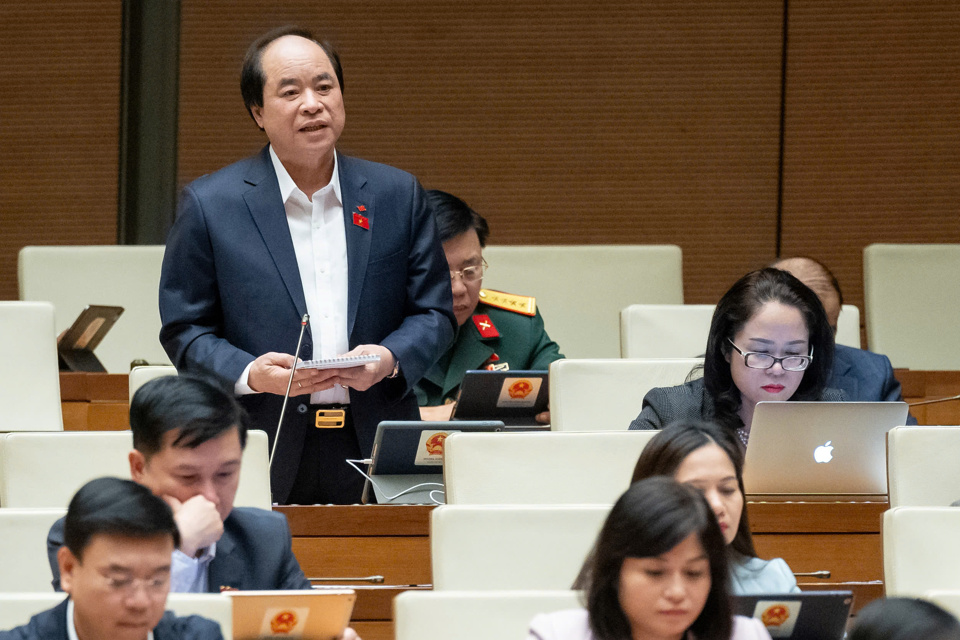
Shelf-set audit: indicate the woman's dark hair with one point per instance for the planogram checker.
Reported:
(904, 619)
(667, 450)
(650, 519)
(455, 217)
(734, 310)
(118, 507)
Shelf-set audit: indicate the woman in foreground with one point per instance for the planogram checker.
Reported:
(658, 572)
(703, 455)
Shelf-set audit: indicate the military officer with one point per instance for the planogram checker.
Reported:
(498, 331)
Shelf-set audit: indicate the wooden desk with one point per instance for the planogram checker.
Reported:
(919, 386)
(94, 401)
(840, 537)
(393, 541)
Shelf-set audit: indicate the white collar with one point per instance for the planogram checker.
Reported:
(288, 186)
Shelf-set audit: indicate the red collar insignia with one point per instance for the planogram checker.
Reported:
(361, 220)
(485, 326)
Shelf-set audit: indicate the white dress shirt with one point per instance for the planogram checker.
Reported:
(191, 575)
(320, 243)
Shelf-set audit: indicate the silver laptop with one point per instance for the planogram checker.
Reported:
(820, 448)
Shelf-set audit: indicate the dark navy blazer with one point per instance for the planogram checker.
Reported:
(52, 625)
(865, 376)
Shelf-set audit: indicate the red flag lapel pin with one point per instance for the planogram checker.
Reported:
(359, 219)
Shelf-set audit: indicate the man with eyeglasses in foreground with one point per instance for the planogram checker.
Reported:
(497, 331)
(115, 564)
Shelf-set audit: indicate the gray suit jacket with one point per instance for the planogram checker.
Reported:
(52, 625)
(255, 552)
(689, 401)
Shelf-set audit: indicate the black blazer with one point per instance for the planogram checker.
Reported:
(689, 401)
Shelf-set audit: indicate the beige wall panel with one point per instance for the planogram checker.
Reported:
(58, 126)
(562, 122)
(872, 144)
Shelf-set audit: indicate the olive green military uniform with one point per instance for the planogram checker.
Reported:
(522, 343)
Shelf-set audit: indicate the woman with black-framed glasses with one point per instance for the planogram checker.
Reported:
(769, 340)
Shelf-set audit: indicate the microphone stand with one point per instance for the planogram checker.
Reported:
(286, 396)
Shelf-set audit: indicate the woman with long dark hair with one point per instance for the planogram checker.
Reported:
(705, 456)
(769, 340)
(658, 570)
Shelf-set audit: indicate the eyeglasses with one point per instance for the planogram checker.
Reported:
(756, 360)
(470, 274)
(155, 587)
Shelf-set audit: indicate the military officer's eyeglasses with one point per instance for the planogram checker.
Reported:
(470, 274)
(756, 360)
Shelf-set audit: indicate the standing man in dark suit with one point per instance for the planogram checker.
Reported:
(300, 228)
(862, 375)
(188, 439)
(116, 567)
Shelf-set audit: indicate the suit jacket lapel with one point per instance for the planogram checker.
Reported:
(843, 377)
(266, 207)
(226, 568)
(355, 195)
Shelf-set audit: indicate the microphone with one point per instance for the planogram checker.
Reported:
(937, 401)
(286, 396)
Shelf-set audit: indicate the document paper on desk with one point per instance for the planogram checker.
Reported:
(341, 362)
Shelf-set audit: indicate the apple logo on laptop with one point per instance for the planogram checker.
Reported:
(823, 453)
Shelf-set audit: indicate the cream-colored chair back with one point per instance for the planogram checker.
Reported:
(912, 304)
(127, 276)
(30, 380)
(487, 547)
(949, 599)
(848, 326)
(474, 615)
(213, 606)
(23, 554)
(920, 550)
(665, 330)
(580, 289)
(16, 609)
(540, 468)
(139, 376)
(681, 330)
(46, 469)
(606, 395)
(923, 466)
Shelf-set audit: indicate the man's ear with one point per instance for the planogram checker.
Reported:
(67, 563)
(257, 113)
(138, 466)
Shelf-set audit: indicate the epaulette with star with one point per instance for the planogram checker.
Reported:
(527, 305)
